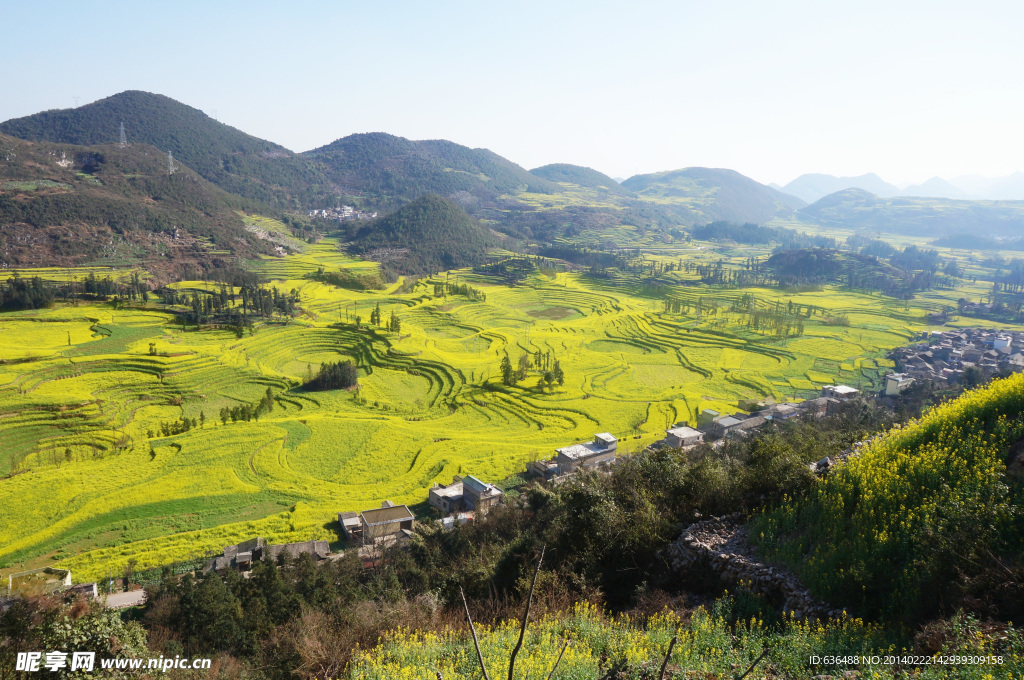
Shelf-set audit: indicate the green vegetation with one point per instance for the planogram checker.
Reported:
(136, 213)
(429, 235)
(931, 217)
(710, 194)
(920, 517)
(564, 173)
(392, 170)
(234, 161)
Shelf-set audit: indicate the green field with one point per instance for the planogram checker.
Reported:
(80, 389)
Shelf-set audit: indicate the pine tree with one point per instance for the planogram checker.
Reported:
(558, 374)
(507, 376)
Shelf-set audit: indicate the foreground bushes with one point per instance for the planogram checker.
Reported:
(716, 641)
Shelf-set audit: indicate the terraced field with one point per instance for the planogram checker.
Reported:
(80, 390)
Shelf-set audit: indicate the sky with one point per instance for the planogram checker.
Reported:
(908, 90)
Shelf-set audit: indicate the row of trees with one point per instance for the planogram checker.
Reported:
(550, 369)
(222, 305)
(339, 375)
(394, 324)
(444, 289)
(247, 412)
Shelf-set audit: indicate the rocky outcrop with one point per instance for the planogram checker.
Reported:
(721, 543)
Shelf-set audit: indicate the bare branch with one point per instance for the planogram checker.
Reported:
(756, 661)
(558, 660)
(668, 655)
(472, 629)
(526, 617)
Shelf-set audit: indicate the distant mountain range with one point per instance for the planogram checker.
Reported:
(712, 194)
(383, 172)
(920, 216)
(66, 179)
(813, 187)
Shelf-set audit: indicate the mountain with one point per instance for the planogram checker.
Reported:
(388, 171)
(565, 173)
(1010, 187)
(425, 236)
(936, 187)
(814, 186)
(230, 158)
(860, 209)
(67, 205)
(704, 195)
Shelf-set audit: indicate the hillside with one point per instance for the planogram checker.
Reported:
(701, 195)
(65, 205)
(388, 171)
(935, 187)
(859, 209)
(428, 235)
(813, 186)
(564, 173)
(230, 158)
(921, 517)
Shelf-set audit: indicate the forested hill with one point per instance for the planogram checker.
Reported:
(62, 204)
(581, 176)
(703, 195)
(428, 235)
(391, 170)
(860, 209)
(230, 158)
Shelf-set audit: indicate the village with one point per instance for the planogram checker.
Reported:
(941, 357)
(342, 214)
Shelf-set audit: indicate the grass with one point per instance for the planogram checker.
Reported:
(430, 403)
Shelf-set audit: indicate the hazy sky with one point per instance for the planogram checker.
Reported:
(771, 89)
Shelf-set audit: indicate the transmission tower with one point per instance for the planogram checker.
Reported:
(171, 167)
(124, 138)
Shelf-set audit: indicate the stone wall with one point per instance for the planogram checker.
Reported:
(721, 544)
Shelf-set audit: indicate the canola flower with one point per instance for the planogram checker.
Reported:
(875, 524)
(707, 643)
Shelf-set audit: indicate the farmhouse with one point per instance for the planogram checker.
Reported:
(682, 436)
(545, 469)
(447, 499)
(465, 493)
(587, 454)
(840, 392)
(896, 383)
(243, 556)
(706, 417)
(389, 522)
(725, 426)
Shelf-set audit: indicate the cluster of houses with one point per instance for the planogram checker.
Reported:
(342, 214)
(243, 556)
(943, 356)
(712, 425)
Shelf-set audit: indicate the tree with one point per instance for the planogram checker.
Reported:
(524, 367)
(558, 374)
(507, 375)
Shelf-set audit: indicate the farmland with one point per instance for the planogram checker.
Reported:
(92, 480)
